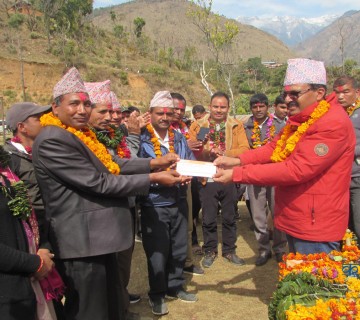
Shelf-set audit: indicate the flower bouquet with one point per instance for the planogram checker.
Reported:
(319, 286)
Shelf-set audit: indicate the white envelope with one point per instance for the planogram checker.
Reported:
(196, 168)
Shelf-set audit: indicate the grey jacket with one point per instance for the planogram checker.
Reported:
(86, 205)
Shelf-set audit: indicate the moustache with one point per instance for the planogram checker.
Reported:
(293, 104)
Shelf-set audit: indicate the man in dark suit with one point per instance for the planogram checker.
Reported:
(86, 203)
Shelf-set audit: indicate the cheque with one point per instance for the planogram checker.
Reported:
(196, 168)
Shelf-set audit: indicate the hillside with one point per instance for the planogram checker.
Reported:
(135, 76)
(167, 23)
(326, 44)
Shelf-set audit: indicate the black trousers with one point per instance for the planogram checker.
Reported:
(210, 195)
(164, 231)
(94, 289)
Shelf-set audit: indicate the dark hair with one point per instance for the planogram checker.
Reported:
(198, 108)
(133, 108)
(259, 98)
(315, 86)
(341, 81)
(58, 100)
(220, 94)
(279, 100)
(178, 96)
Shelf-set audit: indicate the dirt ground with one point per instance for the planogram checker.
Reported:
(225, 291)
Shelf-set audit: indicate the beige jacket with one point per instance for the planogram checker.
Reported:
(235, 138)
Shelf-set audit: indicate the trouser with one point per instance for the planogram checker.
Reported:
(354, 221)
(93, 288)
(185, 207)
(196, 206)
(309, 247)
(210, 195)
(261, 200)
(165, 243)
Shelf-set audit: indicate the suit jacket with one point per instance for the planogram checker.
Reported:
(87, 207)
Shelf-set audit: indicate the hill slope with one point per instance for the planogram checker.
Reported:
(168, 24)
(326, 44)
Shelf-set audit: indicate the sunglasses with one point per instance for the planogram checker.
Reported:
(294, 95)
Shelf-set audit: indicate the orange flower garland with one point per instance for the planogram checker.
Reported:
(156, 143)
(256, 133)
(289, 139)
(356, 105)
(183, 128)
(88, 138)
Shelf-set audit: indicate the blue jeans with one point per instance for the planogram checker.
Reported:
(307, 247)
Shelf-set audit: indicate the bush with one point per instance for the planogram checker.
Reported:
(36, 35)
(159, 71)
(123, 76)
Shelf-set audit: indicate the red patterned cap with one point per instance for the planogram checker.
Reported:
(305, 71)
(99, 92)
(114, 100)
(71, 82)
(162, 99)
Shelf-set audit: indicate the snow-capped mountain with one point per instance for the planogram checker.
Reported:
(290, 30)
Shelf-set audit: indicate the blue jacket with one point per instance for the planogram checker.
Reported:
(160, 196)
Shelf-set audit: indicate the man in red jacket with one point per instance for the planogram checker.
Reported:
(309, 163)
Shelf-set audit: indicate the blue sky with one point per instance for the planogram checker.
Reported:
(299, 8)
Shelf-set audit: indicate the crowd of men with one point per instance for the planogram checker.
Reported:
(98, 173)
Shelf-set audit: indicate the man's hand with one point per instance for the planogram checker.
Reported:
(144, 119)
(223, 176)
(48, 264)
(226, 162)
(194, 145)
(165, 161)
(133, 124)
(167, 178)
(216, 152)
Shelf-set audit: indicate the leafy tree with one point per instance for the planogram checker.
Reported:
(139, 25)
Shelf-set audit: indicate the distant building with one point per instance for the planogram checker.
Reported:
(271, 64)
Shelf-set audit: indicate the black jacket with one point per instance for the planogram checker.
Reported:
(17, 297)
(21, 164)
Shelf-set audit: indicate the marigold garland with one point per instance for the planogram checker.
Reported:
(181, 125)
(256, 132)
(156, 143)
(88, 138)
(356, 105)
(289, 139)
(328, 267)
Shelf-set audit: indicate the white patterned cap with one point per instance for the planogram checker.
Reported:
(71, 82)
(99, 92)
(305, 71)
(114, 100)
(162, 99)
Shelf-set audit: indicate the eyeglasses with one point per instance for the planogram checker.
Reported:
(294, 95)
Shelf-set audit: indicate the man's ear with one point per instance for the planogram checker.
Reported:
(21, 127)
(53, 108)
(321, 92)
